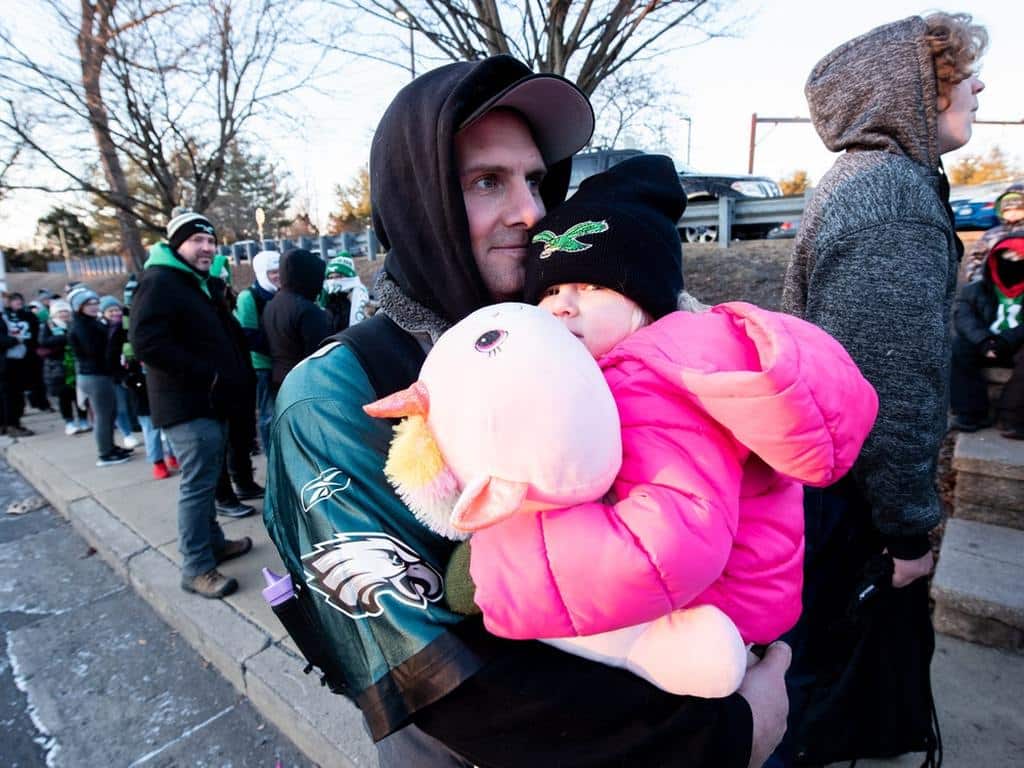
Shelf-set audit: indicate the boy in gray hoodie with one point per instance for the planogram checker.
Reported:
(875, 265)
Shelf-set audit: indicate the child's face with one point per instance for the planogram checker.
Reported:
(599, 317)
(113, 314)
(1011, 208)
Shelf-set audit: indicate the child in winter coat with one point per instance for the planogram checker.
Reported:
(724, 414)
(59, 367)
(989, 332)
(1009, 209)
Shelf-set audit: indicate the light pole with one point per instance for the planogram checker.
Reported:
(689, 133)
(401, 15)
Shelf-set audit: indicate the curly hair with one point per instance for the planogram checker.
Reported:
(956, 45)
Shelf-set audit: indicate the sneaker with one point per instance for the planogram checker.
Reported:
(121, 451)
(1013, 432)
(171, 462)
(130, 442)
(967, 424)
(111, 458)
(234, 509)
(82, 427)
(160, 470)
(19, 432)
(248, 490)
(70, 429)
(212, 584)
(234, 548)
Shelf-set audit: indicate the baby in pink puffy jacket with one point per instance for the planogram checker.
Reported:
(724, 414)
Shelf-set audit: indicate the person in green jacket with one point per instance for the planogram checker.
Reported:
(249, 313)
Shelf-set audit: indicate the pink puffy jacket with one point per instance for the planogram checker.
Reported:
(724, 415)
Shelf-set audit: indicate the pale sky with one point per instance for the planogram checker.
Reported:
(722, 82)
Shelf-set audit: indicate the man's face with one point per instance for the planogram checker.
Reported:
(17, 303)
(198, 251)
(500, 171)
(274, 277)
(956, 114)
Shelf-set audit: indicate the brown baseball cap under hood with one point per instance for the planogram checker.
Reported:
(559, 115)
(418, 210)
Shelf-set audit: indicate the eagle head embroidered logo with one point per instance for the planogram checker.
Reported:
(328, 483)
(569, 240)
(355, 570)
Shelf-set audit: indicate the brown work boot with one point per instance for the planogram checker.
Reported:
(212, 584)
(234, 548)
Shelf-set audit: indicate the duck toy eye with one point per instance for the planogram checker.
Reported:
(489, 341)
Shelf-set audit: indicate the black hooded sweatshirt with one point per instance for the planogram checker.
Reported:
(295, 326)
(540, 706)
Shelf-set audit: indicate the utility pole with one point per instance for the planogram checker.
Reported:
(402, 15)
(689, 135)
(754, 120)
(67, 254)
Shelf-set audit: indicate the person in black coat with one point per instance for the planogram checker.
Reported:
(9, 416)
(198, 375)
(989, 332)
(294, 324)
(90, 340)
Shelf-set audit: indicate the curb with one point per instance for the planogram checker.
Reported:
(327, 728)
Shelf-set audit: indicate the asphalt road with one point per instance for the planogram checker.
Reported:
(90, 675)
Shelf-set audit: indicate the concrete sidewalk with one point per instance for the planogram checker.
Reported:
(129, 518)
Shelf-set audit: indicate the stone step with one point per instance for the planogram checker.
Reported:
(977, 585)
(989, 478)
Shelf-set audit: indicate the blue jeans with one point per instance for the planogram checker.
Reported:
(126, 410)
(199, 447)
(153, 439)
(265, 407)
(100, 392)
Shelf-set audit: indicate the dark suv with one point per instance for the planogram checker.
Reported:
(700, 187)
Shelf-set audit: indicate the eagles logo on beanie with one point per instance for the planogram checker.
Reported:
(618, 231)
(184, 225)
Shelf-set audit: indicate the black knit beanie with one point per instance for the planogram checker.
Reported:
(184, 225)
(618, 231)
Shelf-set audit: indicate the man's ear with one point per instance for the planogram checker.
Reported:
(486, 501)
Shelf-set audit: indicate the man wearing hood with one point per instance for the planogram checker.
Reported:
(249, 313)
(466, 158)
(875, 264)
(294, 323)
(990, 332)
(197, 375)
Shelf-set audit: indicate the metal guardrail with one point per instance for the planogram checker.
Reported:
(726, 212)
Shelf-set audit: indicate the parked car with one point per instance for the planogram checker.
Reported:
(700, 187)
(786, 229)
(978, 210)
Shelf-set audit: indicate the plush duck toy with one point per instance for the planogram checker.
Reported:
(511, 415)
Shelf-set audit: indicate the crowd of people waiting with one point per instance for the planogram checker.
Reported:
(77, 348)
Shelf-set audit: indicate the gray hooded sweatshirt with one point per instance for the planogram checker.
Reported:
(876, 261)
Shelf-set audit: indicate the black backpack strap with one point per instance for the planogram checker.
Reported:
(391, 357)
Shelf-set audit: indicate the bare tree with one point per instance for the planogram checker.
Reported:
(8, 157)
(587, 41)
(162, 87)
